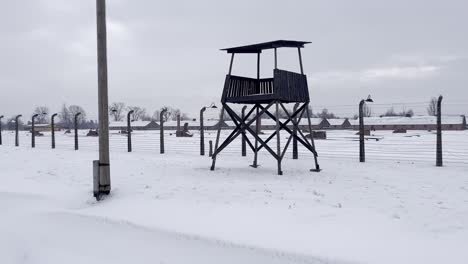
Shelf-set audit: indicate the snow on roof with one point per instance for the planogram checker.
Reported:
(314, 121)
(191, 123)
(415, 120)
(134, 123)
(336, 121)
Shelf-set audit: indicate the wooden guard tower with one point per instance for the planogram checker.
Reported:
(262, 94)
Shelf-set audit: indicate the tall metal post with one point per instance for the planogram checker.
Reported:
(52, 128)
(1, 130)
(362, 150)
(294, 140)
(76, 130)
(244, 143)
(439, 162)
(16, 130)
(104, 179)
(202, 136)
(33, 131)
(129, 131)
(161, 131)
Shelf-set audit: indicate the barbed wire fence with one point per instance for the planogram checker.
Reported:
(415, 145)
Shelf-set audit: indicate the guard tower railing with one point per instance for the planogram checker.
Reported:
(285, 86)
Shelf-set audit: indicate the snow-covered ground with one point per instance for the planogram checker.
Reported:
(172, 209)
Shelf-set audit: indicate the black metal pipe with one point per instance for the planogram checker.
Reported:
(52, 127)
(129, 131)
(439, 162)
(33, 131)
(76, 130)
(16, 130)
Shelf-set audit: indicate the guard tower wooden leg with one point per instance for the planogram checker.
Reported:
(221, 117)
(278, 143)
(317, 166)
(257, 129)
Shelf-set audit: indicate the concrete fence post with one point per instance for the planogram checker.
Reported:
(76, 130)
(52, 129)
(202, 133)
(161, 131)
(129, 131)
(439, 162)
(16, 130)
(33, 131)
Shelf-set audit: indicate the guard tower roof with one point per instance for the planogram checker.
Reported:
(257, 48)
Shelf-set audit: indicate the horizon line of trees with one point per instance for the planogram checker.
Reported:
(118, 112)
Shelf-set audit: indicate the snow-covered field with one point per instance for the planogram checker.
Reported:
(172, 209)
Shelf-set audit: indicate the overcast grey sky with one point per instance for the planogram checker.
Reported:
(167, 52)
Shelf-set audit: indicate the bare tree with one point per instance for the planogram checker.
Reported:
(116, 111)
(65, 116)
(138, 112)
(390, 112)
(326, 114)
(432, 107)
(75, 109)
(42, 112)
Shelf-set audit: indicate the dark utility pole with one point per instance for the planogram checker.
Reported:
(161, 131)
(52, 127)
(202, 136)
(33, 131)
(102, 179)
(76, 130)
(362, 153)
(129, 131)
(439, 162)
(16, 130)
(1, 130)
(244, 143)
